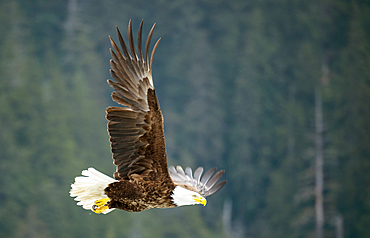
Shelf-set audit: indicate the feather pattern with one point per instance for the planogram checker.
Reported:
(90, 187)
(131, 128)
(205, 185)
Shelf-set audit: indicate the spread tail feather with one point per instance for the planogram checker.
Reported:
(90, 187)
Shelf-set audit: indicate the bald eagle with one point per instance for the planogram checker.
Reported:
(142, 179)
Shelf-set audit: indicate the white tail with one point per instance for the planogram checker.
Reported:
(90, 188)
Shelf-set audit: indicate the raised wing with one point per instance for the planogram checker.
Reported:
(205, 185)
(136, 130)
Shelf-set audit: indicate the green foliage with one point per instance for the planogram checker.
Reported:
(236, 82)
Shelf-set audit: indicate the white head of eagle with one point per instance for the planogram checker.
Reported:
(182, 196)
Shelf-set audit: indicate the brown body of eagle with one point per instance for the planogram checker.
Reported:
(145, 184)
(142, 179)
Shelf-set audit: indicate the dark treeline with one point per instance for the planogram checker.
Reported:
(275, 92)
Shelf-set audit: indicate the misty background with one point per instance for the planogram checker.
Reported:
(277, 93)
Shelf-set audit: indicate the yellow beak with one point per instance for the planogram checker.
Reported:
(201, 200)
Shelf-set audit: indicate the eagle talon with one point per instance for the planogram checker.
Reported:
(100, 205)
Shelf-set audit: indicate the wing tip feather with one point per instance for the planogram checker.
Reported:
(205, 185)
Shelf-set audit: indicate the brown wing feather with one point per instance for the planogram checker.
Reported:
(136, 131)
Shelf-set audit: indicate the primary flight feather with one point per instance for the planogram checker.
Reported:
(142, 179)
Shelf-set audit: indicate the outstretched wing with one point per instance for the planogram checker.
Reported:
(205, 185)
(136, 130)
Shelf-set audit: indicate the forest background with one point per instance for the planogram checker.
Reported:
(275, 92)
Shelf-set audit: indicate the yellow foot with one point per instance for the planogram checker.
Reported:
(100, 205)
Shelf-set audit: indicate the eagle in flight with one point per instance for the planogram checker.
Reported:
(142, 179)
